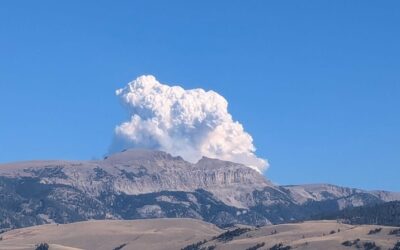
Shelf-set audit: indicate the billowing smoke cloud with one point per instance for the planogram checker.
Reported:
(189, 123)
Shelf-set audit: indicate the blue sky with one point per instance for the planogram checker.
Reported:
(316, 83)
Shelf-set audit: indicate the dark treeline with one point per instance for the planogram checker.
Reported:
(387, 214)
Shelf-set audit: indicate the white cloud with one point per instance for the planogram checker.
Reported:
(189, 123)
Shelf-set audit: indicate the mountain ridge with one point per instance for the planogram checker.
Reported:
(141, 183)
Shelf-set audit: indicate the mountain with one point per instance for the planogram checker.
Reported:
(345, 197)
(136, 184)
(190, 234)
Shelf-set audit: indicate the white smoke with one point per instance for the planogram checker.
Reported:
(189, 123)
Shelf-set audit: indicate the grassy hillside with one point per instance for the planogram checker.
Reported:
(192, 234)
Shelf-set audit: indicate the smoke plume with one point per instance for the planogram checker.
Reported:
(189, 123)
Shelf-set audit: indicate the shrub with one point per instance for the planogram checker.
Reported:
(195, 246)
(371, 246)
(396, 246)
(395, 232)
(229, 235)
(42, 246)
(259, 245)
(348, 243)
(120, 247)
(375, 231)
(280, 246)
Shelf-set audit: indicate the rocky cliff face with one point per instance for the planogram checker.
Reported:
(151, 184)
(134, 172)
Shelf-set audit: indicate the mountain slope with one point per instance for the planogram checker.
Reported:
(346, 197)
(138, 184)
(134, 172)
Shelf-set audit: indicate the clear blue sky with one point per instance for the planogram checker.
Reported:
(316, 83)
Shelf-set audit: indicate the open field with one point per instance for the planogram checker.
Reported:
(178, 233)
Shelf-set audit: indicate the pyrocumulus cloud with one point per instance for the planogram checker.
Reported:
(189, 123)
